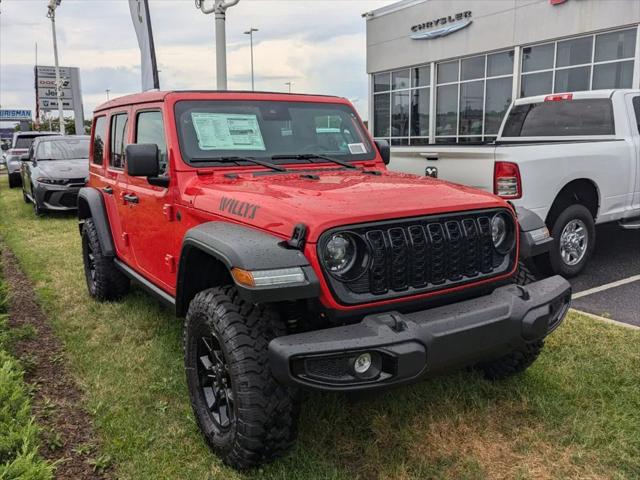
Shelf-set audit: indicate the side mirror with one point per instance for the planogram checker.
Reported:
(4, 146)
(385, 150)
(24, 158)
(143, 160)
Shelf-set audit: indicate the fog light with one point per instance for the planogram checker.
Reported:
(362, 364)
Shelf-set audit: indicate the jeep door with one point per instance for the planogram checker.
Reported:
(149, 215)
(114, 181)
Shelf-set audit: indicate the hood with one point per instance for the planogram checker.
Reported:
(65, 168)
(277, 202)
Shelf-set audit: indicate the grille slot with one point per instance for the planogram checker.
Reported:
(426, 254)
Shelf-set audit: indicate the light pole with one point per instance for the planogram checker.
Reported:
(250, 33)
(107, 92)
(289, 84)
(53, 4)
(220, 10)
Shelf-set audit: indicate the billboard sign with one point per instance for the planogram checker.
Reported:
(15, 115)
(71, 91)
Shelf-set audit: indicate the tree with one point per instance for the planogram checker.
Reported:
(69, 125)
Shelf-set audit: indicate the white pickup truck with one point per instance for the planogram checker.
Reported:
(572, 158)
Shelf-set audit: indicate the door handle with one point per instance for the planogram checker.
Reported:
(108, 190)
(430, 156)
(131, 198)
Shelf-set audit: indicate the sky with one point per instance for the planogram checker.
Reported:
(319, 45)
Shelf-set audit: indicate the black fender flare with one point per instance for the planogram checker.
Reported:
(91, 205)
(238, 246)
(529, 222)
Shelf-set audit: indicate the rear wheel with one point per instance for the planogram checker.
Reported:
(244, 414)
(574, 235)
(104, 281)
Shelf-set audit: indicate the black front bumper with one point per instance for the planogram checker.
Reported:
(406, 347)
(57, 197)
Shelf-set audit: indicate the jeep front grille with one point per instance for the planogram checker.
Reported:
(425, 254)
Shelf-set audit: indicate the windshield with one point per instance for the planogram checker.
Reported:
(63, 149)
(211, 130)
(24, 142)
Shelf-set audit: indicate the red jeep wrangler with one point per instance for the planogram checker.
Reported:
(271, 224)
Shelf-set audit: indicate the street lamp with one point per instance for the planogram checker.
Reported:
(220, 10)
(107, 92)
(289, 84)
(51, 13)
(250, 33)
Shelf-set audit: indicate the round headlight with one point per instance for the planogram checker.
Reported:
(502, 233)
(339, 253)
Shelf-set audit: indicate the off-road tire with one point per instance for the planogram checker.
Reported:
(108, 283)
(512, 363)
(518, 360)
(12, 182)
(265, 412)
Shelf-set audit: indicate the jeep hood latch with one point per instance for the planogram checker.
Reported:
(298, 237)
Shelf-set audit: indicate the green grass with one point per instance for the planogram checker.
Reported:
(574, 414)
(19, 435)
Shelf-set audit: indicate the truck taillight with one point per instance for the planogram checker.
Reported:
(506, 180)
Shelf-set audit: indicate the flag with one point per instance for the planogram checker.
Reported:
(142, 24)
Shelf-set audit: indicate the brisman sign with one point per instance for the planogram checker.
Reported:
(441, 26)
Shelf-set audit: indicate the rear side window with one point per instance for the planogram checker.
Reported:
(561, 118)
(150, 129)
(99, 135)
(118, 140)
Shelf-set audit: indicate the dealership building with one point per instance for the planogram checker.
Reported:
(445, 71)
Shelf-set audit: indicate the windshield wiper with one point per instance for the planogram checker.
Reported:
(240, 159)
(311, 156)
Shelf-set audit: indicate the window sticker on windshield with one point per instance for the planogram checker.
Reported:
(227, 131)
(357, 148)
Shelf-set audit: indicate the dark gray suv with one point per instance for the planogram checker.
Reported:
(53, 171)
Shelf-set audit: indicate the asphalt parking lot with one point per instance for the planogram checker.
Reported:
(610, 285)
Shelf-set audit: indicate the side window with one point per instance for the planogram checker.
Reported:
(636, 110)
(118, 140)
(150, 129)
(99, 135)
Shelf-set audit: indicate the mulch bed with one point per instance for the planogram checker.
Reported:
(68, 437)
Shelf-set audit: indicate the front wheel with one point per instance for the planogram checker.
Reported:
(244, 414)
(574, 235)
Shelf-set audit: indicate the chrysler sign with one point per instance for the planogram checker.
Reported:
(441, 26)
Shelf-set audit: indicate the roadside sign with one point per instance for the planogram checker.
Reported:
(51, 94)
(46, 96)
(49, 105)
(14, 115)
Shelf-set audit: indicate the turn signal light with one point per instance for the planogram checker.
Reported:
(267, 278)
(506, 180)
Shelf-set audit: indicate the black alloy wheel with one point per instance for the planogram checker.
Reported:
(215, 383)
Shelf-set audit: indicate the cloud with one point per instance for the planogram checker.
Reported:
(317, 44)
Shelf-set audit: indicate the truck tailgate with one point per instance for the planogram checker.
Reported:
(471, 166)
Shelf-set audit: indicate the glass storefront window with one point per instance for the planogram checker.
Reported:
(400, 114)
(472, 68)
(539, 57)
(496, 104)
(536, 84)
(447, 110)
(420, 103)
(574, 52)
(400, 79)
(382, 82)
(471, 100)
(500, 64)
(448, 72)
(421, 76)
(613, 75)
(381, 115)
(572, 79)
(615, 45)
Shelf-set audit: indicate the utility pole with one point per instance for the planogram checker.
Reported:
(53, 4)
(289, 84)
(219, 8)
(250, 33)
(107, 92)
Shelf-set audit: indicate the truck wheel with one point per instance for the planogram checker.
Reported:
(574, 235)
(104, 280)
(512, 363)
(244, 414)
